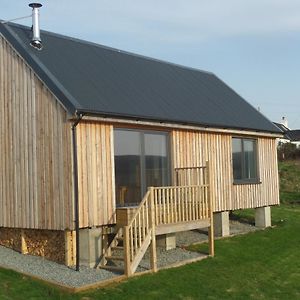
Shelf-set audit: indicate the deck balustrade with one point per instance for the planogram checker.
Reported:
(168, 209)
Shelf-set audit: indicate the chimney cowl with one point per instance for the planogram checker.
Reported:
(36, 41)
(284, 122)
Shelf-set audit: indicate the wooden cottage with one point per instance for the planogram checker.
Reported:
(121, 148)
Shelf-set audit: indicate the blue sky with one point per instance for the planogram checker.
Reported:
(254, 46)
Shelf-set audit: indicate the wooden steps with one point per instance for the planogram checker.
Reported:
(120, 248)
(114, 258)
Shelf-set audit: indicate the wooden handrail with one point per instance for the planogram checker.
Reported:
(175, 186)
(139, 207)
(190, 168)
(137, 234)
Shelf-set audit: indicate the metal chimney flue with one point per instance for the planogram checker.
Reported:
(36, 41)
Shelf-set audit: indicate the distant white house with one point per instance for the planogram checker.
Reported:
(290, 135)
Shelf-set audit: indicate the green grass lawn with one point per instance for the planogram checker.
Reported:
(259, 265)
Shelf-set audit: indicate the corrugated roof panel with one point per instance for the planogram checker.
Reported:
(103, 80)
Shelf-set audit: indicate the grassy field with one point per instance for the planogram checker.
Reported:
(259, 265)
(289, 174)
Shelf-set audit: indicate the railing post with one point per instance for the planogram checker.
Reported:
(211, 209)
(127, 264)
(153, 259)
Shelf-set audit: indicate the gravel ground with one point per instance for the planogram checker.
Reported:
(49, 270)
(200, 235)
(186, 238)
(165, 258)
(237, 227)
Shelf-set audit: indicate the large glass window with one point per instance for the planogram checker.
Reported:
(127, 166)
(244, 157)
(141, 160)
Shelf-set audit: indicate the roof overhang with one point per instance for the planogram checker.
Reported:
(172, 125)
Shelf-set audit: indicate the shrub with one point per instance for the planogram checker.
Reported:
(288, 151)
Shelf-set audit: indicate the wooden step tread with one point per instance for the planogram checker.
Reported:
(114, 257)
(112, 268)
(117, 248)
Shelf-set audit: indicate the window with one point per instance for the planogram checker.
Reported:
(141, 160)
(244, 157)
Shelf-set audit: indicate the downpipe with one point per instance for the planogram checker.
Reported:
(75, 180)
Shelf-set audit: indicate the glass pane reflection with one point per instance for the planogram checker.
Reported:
(141, 160)
(127, 166)
(156, 160)
(237, 158)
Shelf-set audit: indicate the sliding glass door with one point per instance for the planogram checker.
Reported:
(141, 160)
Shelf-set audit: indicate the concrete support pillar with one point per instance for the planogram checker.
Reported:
(90, 246)
(166, 241)
(221, 224)
(263, 217)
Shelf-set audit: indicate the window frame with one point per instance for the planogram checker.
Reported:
(245, 180)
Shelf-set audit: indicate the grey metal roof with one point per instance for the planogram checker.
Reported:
(95, 79)
(292, 135)
(281, 127)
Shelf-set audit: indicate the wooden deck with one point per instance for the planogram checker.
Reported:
(163, 210)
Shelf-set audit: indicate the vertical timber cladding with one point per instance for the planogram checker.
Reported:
(35, 150)
(191, 148)
(267, 192)
(96, 184)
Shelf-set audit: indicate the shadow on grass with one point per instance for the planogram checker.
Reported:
(245, 216)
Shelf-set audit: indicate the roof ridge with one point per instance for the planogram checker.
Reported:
(78, 40)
